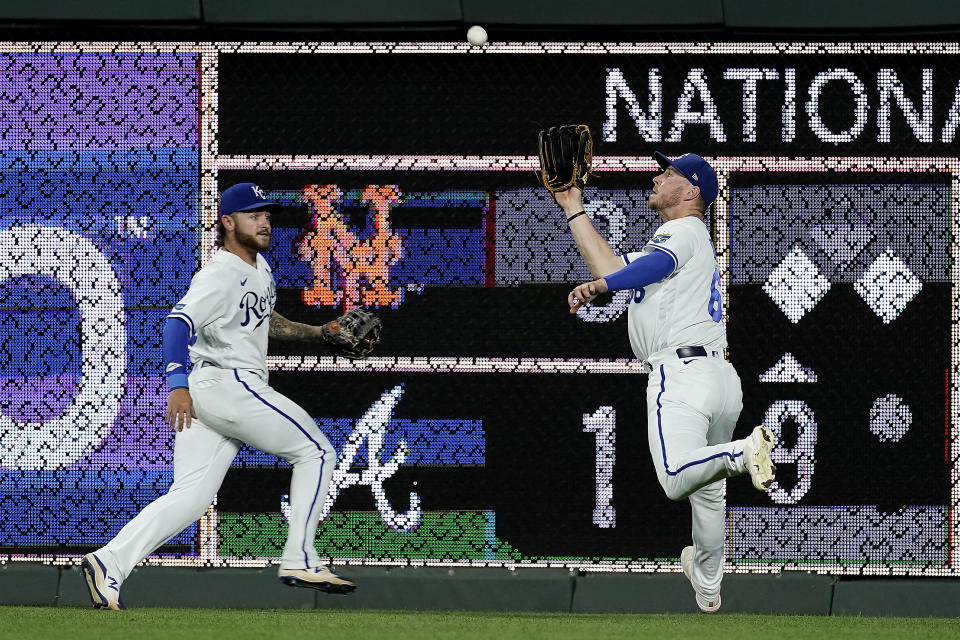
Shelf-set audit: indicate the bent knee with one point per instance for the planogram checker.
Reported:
(673, 488)
(315, 453)
(327, 452)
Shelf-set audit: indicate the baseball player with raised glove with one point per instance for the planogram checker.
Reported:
(566, 157)
(676, 328)
(222, 325)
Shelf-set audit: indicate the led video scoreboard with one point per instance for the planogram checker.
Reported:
(490, 427)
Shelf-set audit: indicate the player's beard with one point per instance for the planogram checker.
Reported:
(253, 241)
(660, 201)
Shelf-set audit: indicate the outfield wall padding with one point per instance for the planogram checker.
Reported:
(484, 589)
(671, 593)
(939, 597)
(29, 584)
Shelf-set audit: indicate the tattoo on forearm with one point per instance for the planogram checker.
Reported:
(283, 329)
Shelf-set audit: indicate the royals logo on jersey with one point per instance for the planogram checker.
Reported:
(258, 307)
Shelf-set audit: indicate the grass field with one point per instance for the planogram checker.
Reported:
(216, 624)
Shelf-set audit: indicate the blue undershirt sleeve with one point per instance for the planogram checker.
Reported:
(176, 335)
(643, 271)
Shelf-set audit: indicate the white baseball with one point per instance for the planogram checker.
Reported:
(477, 35)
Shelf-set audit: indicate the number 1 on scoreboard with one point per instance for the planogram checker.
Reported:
(602, 423)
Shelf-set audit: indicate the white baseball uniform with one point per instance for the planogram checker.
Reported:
(228, 308)
(693, 393)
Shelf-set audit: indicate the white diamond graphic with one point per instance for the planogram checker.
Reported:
(796, 285)
(788, 369)
(887, 286)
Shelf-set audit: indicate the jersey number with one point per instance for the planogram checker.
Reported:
(715, 306)
(638, 294)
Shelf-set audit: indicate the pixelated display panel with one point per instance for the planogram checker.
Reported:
(484, 477)
(736, 102)
(509, 456)
(499, 257)
(843, 273)
(98, 229)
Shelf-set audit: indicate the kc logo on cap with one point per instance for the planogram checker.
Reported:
(246, 196)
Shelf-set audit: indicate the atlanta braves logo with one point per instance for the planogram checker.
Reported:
(372, 427)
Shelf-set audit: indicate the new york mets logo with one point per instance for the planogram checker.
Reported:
(348, 269)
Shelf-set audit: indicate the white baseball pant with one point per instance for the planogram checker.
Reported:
(692, 410)
(233, 407)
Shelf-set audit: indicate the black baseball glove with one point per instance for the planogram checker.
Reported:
(566, 155)
(354, 334)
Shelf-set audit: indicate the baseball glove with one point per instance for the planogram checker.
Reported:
(353, 335)
(566, 154)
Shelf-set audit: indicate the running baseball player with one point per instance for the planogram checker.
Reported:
(226, 318)
(676, 329)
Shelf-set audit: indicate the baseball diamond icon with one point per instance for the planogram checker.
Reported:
(887, 286)
(796, 285)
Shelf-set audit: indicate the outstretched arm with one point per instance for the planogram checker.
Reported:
(352, 335)
(642, 272)
(283, 329)
(600, 258)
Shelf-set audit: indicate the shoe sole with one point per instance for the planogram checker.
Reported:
(326, 587)
(712, 609)
(99, 600)
(762, 470)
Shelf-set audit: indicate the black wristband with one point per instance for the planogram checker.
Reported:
(576, 215)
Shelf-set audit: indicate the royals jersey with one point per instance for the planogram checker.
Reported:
(685, 308)
(228, 308)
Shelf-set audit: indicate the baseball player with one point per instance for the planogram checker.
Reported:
(226, 318)
(676, 329)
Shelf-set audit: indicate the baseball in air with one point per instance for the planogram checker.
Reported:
(477, 35)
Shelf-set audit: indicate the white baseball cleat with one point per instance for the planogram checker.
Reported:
(707, 605)
(316, 578)
(756, 458)
(104, 588)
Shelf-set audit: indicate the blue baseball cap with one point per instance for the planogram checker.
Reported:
(695, 169)
(245, 196)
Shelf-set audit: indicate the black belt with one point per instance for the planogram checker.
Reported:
(691, 352)
(700, 352)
